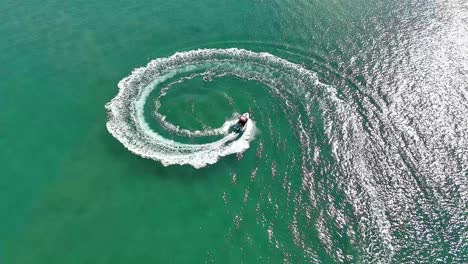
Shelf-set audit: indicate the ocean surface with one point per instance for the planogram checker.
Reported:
(114, 147)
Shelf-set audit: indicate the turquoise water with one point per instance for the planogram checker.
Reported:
(358, 154)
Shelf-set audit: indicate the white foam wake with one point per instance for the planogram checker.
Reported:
(126, 121)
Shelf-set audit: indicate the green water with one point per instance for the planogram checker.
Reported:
(374, 169)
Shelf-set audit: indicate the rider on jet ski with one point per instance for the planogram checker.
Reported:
(242, 121)
(240, 125)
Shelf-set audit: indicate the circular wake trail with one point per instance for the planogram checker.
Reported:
(126, 120)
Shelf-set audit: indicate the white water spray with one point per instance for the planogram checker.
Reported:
(126, 120)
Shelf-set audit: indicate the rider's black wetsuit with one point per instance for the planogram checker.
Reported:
(242, 121)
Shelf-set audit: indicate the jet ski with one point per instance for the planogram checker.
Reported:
(240, 126)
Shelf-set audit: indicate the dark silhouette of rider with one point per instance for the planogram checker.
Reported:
(242, 121)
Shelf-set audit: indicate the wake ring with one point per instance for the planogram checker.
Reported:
(127, 124)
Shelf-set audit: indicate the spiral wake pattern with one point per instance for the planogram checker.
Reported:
(126, 120)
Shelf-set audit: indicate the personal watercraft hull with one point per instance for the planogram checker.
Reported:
(237, 128)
